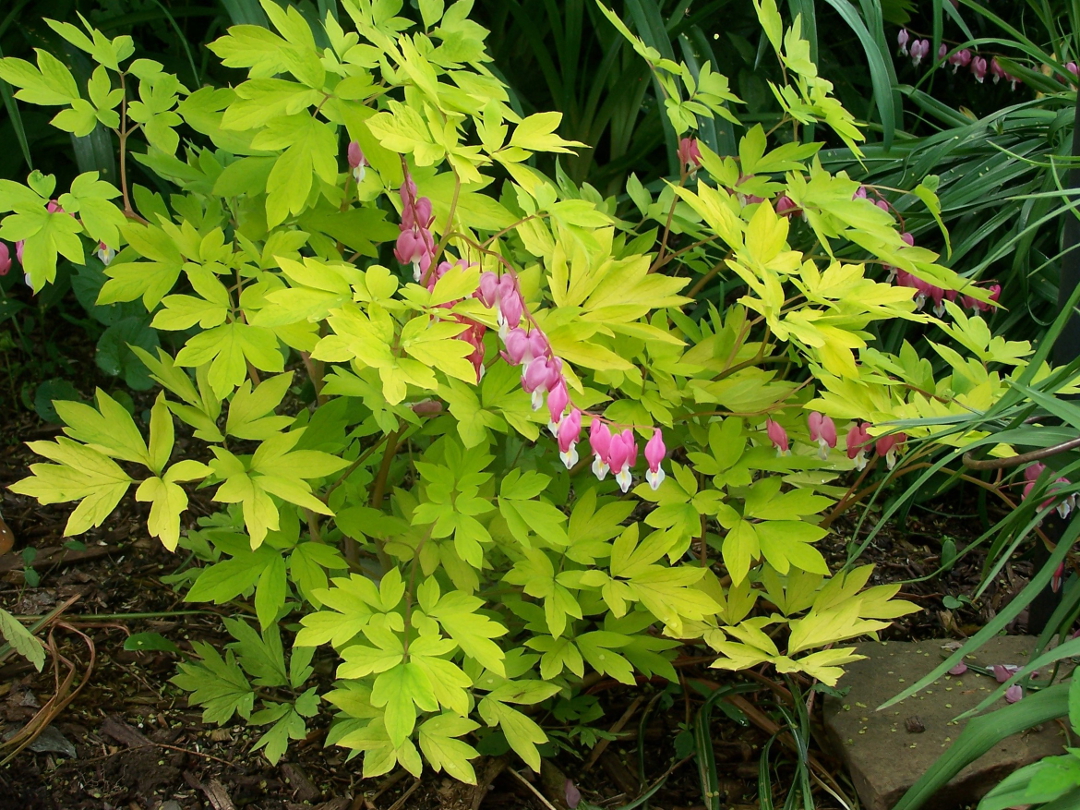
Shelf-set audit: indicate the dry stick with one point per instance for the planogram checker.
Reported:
(601, 745)
(401, 801)
(530, 786)
(1023, 458)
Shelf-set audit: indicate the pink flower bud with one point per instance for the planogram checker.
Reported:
(357, 162)
(902, 40)
(488, 289)
(884, 206)
(654, 454)
(517, 347)
(511, 308)
(959, 669)
(5, 259)
(778, 436)
(356, 155)
(858, 440)
(557, 401)
(569, 434)
(888, 446)
(1033, 471)
(1073, 69)
(822, 431)
(978, 68)
(996, 70)
(409, 247)
(427, 407)
(920, 49)
(960, 59)
(860, 193)
(942, 50)
(689, 154)
(600, 443)
(622, 455)
(1014, 693)
(424, 216)
(785, 206)
(907, 239)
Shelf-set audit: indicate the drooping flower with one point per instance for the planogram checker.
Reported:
(600, 443)
(105, 253)
(654, 454)
(822, 431)
(778, 436)
(541, 375)
(5, 259)
(960, 59)
(557, 400)
(858, 440)
(622, 455)
(357, 162)
(942, 50)
(1014, 693)
(920, 49)
(786, 207)
(689, 154)
(888, 446)
(902, 40)
(978, 68)
(996, 70)
(569, 434)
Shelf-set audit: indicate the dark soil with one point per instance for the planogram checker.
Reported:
(138, 745)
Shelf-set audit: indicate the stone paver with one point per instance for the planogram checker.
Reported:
(886, 752)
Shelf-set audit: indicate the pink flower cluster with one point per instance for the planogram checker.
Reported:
(919, 49)
(415, 243)
(823, 432)
(924, 290)
(525, 345)
(1031, 477)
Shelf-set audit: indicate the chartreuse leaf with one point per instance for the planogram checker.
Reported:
(525, 513)
(251, 413)
(228, 349)
(90, 199)
(444, 752)
(26, 643)
(457, 613)
(109, 53)
(149, 279)
(80, 474)
(108, 429)
(44, 235)
(521, 732)
(48, 84)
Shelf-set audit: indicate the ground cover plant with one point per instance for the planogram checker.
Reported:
(420, 374)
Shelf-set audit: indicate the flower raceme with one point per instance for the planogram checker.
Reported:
(525, 345)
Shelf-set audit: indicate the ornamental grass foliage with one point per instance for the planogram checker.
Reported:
(530, 460)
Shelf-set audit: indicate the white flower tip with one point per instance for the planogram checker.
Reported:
(625, 479)
(570, 458)
(655, 479)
